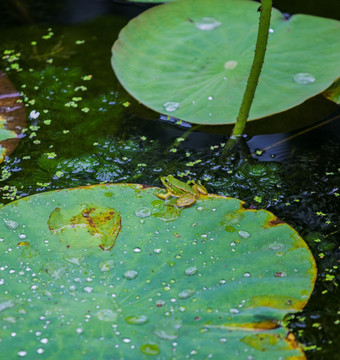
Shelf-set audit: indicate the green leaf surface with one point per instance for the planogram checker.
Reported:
(191, 59)
(210, 281)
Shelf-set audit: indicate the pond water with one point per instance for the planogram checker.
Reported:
(83, 128)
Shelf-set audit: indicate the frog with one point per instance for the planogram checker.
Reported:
(186, 194)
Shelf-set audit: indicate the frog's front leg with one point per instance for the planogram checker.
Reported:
(163, 195)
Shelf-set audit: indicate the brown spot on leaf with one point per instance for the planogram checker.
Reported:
(85, 226)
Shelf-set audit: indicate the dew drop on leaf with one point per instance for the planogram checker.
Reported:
(171, 106)
(137, 320)
(143, 212)
(11, 224)
(185, 294)
(192, 270)
(106, 315)
(207, 23)
(231, 64)
(130, 274)
(304, 78)
(244, 234)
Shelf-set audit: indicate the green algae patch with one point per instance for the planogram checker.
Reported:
(110, 272)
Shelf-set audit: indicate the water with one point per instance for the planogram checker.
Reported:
(304, 78)
(207, 23)
(104, 136)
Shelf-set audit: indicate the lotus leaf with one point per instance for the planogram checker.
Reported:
(191, 59)
(214, 280)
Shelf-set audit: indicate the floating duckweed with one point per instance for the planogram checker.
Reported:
(130, 274)
(150, 349)
(137, 320)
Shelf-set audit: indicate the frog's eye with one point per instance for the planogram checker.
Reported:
(166, 180)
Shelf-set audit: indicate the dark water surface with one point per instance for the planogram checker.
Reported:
(83, 128)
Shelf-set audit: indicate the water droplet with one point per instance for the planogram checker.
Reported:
(234, 311)
(271, 30)
(11, 224)
(22, 353)
(157, 251)
(210, 98)
(185, 294)
(137, 320)
(88, 289)
(130, 274)
(163, 334)
(137, 250)
(106, 265)
(231, 64)
(275, 246)
(143, 212)
(150, 349)
(171, 106)
(207, 23)
(304, 78)
(246, 274)
(106, 315)
(244, 234)
(192, 270)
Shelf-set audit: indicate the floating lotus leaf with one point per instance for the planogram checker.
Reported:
(12, 117)
(213, 280)
(191, 59)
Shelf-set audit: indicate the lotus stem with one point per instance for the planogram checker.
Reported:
(248, 97)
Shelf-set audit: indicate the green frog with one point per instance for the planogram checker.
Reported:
(186, 194)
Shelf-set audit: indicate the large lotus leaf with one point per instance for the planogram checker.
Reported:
(113, 272)
(12, 117)
(191, 59)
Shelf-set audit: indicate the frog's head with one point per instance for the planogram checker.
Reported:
(168, 181)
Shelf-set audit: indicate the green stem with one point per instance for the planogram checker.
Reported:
(248, 97)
